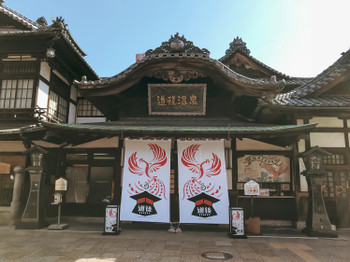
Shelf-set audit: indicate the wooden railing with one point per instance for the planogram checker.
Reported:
(43, 114)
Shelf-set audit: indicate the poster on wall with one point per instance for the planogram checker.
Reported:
(264, 168)
(146, 181)
(203, 195)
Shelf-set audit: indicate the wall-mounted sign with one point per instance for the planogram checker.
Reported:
(264, 168)
(177, 99)
(251, 188)
(61, 184)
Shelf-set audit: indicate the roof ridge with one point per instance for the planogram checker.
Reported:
(321, 79)
(238, 45)
(229, 72)
(30, 24)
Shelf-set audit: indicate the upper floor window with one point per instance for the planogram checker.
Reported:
(16, 93)
(58, 107)
(17, 83)
(85, 108)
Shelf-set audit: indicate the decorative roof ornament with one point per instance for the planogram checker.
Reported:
(175, 76)
(237, 44)
(177, 44)
(59, 23)
(42, 21)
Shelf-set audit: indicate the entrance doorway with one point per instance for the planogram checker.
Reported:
(91, 179)
(337, 197)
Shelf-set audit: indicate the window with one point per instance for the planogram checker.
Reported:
(58, 106)
(85, 108)
(334, 159)
(16, 93)
(16, 87)
(335, 184)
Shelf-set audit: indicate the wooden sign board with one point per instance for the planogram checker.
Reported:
(61, 184)
(177, 99)
(251, 188)
(5, 168)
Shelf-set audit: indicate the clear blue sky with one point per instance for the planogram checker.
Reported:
(296, 37)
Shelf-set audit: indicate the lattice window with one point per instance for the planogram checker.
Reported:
(85, 108)
(16, 93)
(334, 159)
(336, 184)
(58, 106)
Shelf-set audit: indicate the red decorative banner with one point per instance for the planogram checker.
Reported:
(202, 182)
(146, 181)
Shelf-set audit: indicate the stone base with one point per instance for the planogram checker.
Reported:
(312, 233)
(58, 227)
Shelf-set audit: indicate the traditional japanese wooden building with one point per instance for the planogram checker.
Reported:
(178, 92)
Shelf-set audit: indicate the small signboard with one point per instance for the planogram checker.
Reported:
(112, 220)
(251, 188)
(237, 229)
(61, 184)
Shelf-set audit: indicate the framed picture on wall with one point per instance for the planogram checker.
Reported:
(264, 168)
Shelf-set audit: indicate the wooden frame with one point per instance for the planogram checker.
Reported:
(179, 105)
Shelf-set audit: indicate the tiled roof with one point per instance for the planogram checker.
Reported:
(321, 81)
(255, 86)
(35, 28)
(310, 94)
(122, 128)
(238, 45)
(321, 101)
(267, 130)
(18, 17)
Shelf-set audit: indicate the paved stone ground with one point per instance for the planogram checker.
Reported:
(140, 244)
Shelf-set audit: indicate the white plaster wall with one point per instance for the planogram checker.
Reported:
(73, 93)
(250, 144)
(90, 119)
(327, 139)
(12, 146)
(300, 121)
(303, 182)
(301, 145)
(327, 121)
(45, 70)
(43, 94)
(72, 113)
(99, 143)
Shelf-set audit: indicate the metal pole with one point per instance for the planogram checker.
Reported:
(59, 214)
(252, 205)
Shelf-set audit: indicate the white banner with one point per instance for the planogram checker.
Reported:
(146, 181)
(203, 194)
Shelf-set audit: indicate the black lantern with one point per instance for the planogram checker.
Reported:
(50, 52)
(33, 215)
(313, 159)
(36, 156)
(317, 222)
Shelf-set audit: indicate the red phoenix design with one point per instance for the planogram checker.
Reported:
(140, 167)
(207, 168)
